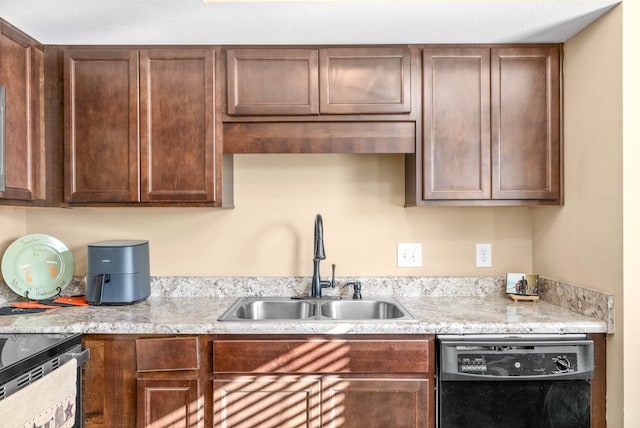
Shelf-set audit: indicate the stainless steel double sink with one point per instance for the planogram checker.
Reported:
(286, 308)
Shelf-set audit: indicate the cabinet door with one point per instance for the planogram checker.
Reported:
(170, 403)
(525, 141)
(456, 154)
(267, 402)
(101, 126)
(22, 74)
(365, 80)
(272, 81)
(109, 382)
(177, 125)
(375, 403)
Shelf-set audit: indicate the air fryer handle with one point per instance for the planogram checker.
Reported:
(101, 279)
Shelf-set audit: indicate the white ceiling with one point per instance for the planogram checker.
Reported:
(300, 22)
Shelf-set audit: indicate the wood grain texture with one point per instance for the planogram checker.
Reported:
(101, 126)
(320, 137)
(526, 131)
(22, 75)
(322, 356)
(177, 132)
(167, 354)
(457, 123)
(365, 80)
(272, 81)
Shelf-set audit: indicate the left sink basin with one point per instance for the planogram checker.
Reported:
(265, 308)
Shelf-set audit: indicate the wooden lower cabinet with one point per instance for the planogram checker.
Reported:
(327, 401)
(238, 381)
(330, 382)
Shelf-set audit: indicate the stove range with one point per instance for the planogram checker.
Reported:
(26, 358)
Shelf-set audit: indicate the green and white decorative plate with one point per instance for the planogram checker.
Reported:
(37, 266)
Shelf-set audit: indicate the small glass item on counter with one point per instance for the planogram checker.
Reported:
(523, 284)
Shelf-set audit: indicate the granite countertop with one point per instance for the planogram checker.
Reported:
(198, 315)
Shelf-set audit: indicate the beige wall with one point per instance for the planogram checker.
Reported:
(13, 223)
(631, 147)
(270, 232)
(581, 242)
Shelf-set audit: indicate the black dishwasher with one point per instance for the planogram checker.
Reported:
(506, 381)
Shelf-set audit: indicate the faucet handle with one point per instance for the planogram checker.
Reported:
(357, 289)
(332, 283)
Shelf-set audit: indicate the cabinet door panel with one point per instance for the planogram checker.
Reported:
(526, 145)
(267, 402)
(375, 403)
(109, 383)
(365, 80)
(456, 151)
(101, 126)
(164, 403)
(22, 74)
(272, 81)
(322, 356)
(167, 354)
(177, 125)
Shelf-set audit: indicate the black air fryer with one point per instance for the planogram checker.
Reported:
(117, 272)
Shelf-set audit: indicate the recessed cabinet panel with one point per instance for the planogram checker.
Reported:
(22, 75)
(456, 150)
(170, 403)
(272, 81)
(375, 402)
(177, 148)
(167, 354)
(365, 80)
(525, 100)
(101, 126)
(264, 401)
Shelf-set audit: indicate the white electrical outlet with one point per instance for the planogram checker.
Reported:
(483, 255)
(409, 255)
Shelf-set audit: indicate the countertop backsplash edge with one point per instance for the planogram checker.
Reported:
(576, 298)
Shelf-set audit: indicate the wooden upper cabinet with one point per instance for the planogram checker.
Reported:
(526, 142)
(168, 155)
(365, 80)
(177, 144)
(456, 118)
(101, 126)
(22, 75)
(290, 82)
(492, 130)
(272, 81)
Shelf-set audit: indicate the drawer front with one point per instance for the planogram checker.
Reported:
(167, 354)
(322, 356)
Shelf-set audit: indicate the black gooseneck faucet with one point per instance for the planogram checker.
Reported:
(317, 284)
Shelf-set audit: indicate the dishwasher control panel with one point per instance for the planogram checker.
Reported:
(535, 364)
(484, 357)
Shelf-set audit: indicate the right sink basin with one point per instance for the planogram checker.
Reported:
(363, 310)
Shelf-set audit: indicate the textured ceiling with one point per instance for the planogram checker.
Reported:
(300, 22)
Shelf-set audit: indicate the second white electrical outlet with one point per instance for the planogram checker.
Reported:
(409, 255)
(483, 255)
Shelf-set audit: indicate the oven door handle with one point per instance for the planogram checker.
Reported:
(80, 357)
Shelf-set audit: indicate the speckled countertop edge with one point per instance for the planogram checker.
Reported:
(192, 306)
